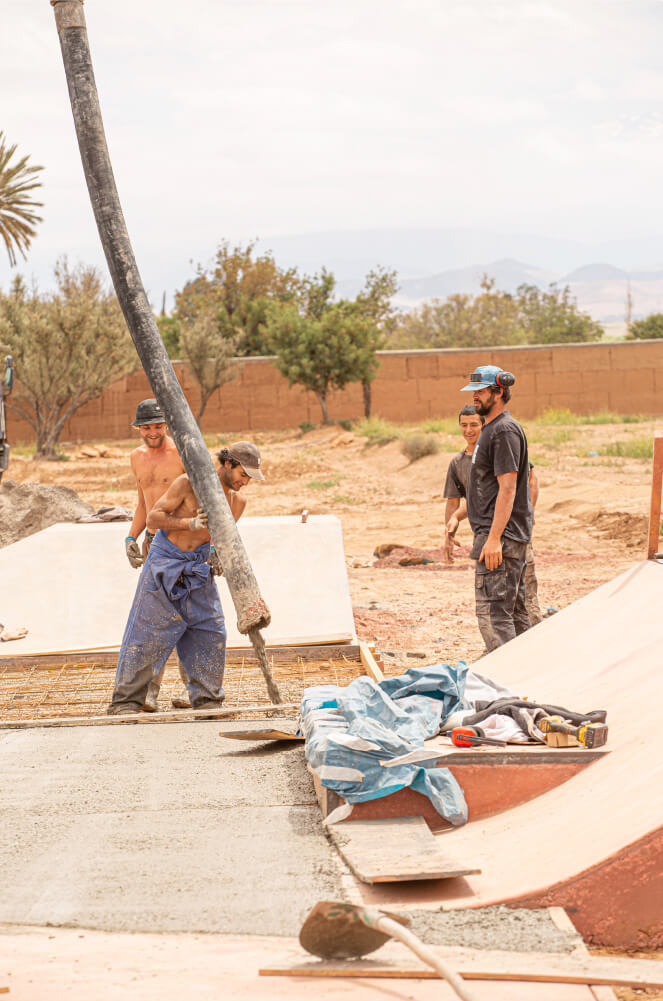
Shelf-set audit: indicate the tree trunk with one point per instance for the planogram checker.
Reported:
(366, 387)
(204, 400)
(322, 400)
(252, 612)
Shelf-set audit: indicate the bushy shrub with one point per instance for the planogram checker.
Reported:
(416, 446)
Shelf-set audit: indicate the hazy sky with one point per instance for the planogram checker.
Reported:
(266, 117)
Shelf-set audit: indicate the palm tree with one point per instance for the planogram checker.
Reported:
(17, 215)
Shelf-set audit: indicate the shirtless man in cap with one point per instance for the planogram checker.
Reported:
(155, 464)
(177, 602)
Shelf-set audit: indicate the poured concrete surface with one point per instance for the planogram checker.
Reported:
(72, 585)
(161, 828)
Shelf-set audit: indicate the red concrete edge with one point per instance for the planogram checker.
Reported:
(490, 787)
(618, 902)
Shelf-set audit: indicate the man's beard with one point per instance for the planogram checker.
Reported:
(483, 409)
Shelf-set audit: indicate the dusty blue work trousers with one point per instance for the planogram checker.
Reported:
(176, 606)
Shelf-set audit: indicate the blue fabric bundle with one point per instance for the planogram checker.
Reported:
(350, 730)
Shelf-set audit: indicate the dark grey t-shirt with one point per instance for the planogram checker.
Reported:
(501, 448)
(457, 473)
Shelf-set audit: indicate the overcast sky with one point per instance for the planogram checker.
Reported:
(266, 117)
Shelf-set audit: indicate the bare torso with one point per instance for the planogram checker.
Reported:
(155, 469)
(173, 511)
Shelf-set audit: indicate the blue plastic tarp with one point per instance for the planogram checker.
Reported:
(350, 730)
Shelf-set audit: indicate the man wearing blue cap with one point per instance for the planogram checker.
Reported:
(499, 509)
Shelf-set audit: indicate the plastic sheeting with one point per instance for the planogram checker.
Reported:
(349, 730)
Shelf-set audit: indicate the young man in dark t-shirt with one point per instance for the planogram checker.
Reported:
(455, 487)
(499, 509)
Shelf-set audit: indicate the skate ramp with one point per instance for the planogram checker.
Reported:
(72, 585)
(593, 845)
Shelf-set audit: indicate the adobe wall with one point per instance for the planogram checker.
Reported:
(410, 386)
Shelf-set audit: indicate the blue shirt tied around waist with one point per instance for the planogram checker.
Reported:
(174, 569)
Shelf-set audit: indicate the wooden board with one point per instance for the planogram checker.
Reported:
(173, 716)
(395, 961)
(262, 733)
(80, 599)
(395, 850)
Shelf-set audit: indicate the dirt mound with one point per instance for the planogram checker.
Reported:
(27, 508)
(392, 555)
(629, 529)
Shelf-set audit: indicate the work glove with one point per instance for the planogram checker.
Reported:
(133, 552)
(199, 522)
(215, 562)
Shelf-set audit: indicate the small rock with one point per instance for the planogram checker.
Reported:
(88, 452)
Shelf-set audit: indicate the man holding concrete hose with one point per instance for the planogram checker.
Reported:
(177, 602)
(499, 509)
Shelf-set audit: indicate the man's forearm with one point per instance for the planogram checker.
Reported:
(503, 509)
(168, 522)
(451, 508)
(138, 524)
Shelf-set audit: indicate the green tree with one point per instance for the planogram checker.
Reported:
(211, 358)
(462, 321)
(376, 318)
(67, 347)
(17, 215)
(318, 354)
(323, 344)
(239, 289)
(552, 317)
(650, 328)
(495, 318)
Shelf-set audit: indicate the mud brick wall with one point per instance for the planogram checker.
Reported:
(410, 386)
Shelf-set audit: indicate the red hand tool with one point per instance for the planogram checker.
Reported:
(468, 736)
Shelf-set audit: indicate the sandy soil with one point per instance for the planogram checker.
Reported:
(591, 521)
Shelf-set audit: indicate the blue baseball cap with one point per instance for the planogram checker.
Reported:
(483, 377)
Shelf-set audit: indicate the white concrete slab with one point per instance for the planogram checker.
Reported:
(72, 585)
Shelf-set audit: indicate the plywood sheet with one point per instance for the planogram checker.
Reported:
(72, 585)
(394, 850)
(599, 852)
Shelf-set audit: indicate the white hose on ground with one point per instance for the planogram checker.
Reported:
(374, 919)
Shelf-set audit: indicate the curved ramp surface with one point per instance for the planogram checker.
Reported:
(593, 845)
(72, 585)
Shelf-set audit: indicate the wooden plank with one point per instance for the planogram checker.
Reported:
(171, 716)
(263, 733)
(394, 961)
(368, 660)
(394, 850)
(655, 501)
(107, 658)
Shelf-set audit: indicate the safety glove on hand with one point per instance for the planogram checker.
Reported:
(133, 552)
(199, 521)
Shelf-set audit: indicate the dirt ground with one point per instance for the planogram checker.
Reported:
(591, 520)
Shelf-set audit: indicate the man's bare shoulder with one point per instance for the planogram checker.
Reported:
(237, 504)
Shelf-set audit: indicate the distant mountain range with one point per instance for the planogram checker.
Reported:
(600, 289)
(435, 263)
